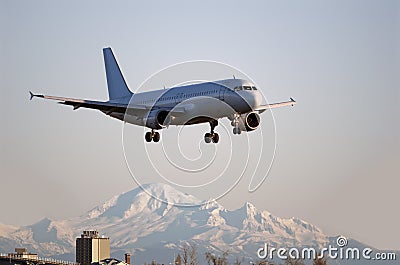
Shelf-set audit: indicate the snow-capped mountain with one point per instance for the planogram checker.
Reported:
(151, 229)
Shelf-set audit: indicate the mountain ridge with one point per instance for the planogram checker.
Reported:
(140, 224)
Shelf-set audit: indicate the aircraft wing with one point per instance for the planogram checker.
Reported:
(263, 108)
(107, 107)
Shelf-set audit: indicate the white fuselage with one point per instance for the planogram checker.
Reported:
(196, 103)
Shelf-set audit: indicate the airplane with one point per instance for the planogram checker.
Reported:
(238, 100)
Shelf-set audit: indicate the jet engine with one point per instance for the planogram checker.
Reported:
(249, 122)
(157, 119)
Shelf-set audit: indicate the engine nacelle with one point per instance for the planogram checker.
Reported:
(157, 119)
(249, 122)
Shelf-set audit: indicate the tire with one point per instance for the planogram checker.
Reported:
(234, 130)
(156, 137)
(207, 138)
(215, 138)
(147, 136)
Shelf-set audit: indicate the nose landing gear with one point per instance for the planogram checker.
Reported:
(149, 136)
(236, 130)
(212, 136)
(235, 124)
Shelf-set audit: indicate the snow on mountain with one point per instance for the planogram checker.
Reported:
(151, 228)
(45, 237)
(5, 230)
(139, 201)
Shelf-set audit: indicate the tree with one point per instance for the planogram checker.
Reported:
(185, 254)
(212, 259)
(193, 254)
(178, 260)
(222, 260)
(262, 262)
(320, 261)
(238, 261)
(189, 254)
(290, 261)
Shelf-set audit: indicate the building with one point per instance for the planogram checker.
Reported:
(92, 248)
(128, 258)
(110, 261)
(23, 257)
(22, 253)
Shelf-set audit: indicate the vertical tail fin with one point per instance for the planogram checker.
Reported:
(117, 87)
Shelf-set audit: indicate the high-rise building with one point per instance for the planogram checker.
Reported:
(92, 248)
(128, 258)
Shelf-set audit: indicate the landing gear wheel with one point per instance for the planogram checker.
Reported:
(215, 138)
(148, 137)
(211, 136)
(156, 137)
(207, 138)
(237, 131)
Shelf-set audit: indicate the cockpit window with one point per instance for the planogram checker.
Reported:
(238, 88)
(247, 87)
(254, 88)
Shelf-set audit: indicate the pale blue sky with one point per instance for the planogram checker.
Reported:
(338, 149)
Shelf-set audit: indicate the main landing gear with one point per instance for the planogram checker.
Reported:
(212, 136)
(155, 136)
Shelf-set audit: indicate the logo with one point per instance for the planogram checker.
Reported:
(338, 252)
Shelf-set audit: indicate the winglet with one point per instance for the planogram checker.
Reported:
(293, 101)
(34, 95)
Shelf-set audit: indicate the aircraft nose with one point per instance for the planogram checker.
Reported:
(257, 98)
(253, 98)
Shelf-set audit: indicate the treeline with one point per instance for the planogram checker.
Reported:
(188, 255)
